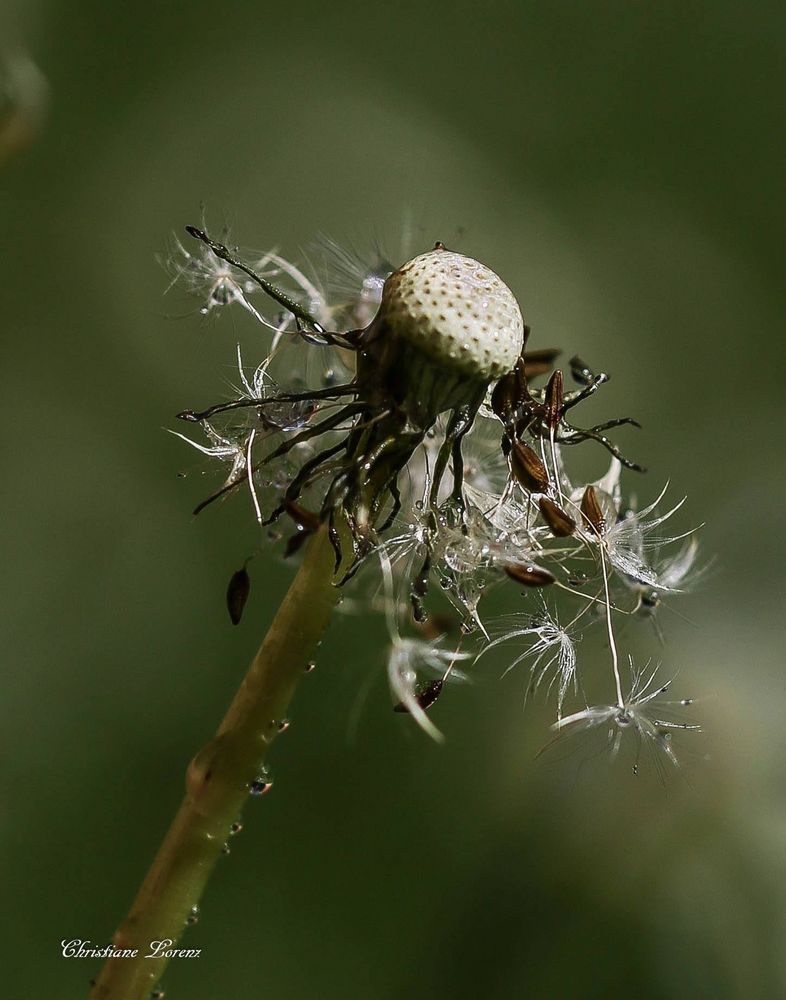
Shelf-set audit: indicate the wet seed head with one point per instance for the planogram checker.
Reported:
(427, 444)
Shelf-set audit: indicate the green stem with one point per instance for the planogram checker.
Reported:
(218, 779)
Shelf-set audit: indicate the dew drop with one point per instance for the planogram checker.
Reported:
(283, 725)
(310, 666)
(226, 849)
(236, 827)
(260, 785)
(157, 995)
(193, 916)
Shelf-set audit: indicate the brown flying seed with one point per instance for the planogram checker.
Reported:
(590, 509)
(560, 523)
(237, 594)
(529, 575)
(527, 468)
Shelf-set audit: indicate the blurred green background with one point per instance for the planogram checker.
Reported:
(621, 165)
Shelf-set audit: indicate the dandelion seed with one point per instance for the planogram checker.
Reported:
(676, 573)
(550, 648)
(628, 541)
(212, 281)
(560, 523)
(238, 590)
(527, 468)
(640, 713)
(529, 575)
(407, 659)
(224, 448)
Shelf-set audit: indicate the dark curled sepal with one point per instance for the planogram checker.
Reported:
(426, 693)
(553, 401)
(237, 594)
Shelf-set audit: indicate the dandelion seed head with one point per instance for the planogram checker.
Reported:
(396, 407)
(455, 310)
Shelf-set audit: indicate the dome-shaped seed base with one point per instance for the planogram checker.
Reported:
(457, 311)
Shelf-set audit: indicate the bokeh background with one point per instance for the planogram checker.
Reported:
(621, 165)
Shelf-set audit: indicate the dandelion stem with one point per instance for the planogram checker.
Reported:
(218, 780)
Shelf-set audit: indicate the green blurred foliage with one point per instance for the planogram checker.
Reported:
(621, 165)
